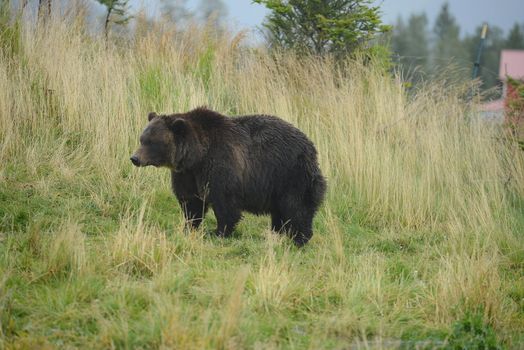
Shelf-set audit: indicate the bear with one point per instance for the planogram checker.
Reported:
(259, 164)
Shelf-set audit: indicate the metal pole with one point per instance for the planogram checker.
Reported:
(479, 52)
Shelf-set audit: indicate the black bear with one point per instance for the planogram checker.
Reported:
(259, 164)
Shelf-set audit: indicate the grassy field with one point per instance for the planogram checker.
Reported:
(419, 244)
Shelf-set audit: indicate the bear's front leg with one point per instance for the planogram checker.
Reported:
(223, 188)
(227, 218)
(194, 211)
(226, 211)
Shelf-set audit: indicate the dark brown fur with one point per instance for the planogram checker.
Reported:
(259, 164)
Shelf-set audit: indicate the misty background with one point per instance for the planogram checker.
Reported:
(469, 13)
(427, 38)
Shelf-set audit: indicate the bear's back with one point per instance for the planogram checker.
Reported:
(269, 133)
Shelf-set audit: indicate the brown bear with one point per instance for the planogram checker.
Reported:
(259, 164)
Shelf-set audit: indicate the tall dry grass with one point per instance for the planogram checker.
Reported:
(419, 171)
(422, 161)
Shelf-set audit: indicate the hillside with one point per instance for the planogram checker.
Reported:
(419, 242)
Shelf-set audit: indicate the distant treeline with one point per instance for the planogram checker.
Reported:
(422, 52)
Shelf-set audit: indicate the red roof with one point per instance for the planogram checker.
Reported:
(512, 64)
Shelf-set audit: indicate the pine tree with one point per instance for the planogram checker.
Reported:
(515, 38)
(44, 9)
(117, 13)
(322, 26)
(448, 47)
(213, 12)
(399, 38)
(411, 44)
(175, 10)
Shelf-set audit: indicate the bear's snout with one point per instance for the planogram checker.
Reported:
(134, 159)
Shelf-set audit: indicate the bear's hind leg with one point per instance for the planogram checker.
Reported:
(276, 221)
(298, 222)
(300, 230)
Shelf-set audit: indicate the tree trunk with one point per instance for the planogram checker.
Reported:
(43, 11)
(106, 24)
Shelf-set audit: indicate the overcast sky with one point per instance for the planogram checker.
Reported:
(244, 14)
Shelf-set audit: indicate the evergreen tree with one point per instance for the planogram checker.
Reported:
(322, 26)
(117, 13)
(411, 44)
(44, 8)
(213, 12)
(175, 10)
(399, 38)
(419, 46)
(448, 46)
(515, 38)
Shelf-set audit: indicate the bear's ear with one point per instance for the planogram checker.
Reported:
(178, 126)
(151, 115)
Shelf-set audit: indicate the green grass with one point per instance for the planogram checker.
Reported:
(176, 293)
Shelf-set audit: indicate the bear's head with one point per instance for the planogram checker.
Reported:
(170, 141)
